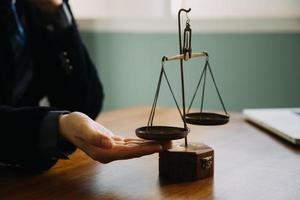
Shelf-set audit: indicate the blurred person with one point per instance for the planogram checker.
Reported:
(42, 55)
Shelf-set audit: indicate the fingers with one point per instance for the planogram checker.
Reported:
(136, 150)
(122, 148)
(100, 140)
(128, 151)
(118, 138)
(165, 144)
(121, 152)
(100, 136)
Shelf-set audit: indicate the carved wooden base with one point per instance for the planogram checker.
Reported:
(187, 163)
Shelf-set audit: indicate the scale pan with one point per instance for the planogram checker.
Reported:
(205, 118)
(161, 132)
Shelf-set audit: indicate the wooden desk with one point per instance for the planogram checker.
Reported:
(249, 164)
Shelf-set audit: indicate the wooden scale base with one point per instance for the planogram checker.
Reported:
(180, 163)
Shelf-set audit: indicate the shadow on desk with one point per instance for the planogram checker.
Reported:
(201, 189)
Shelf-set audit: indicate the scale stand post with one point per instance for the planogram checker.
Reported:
(188, 161)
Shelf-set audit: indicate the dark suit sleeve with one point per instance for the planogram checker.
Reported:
(20, 137)
(72, 81)
(51, 144)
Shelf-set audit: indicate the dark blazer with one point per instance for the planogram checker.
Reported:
(62, 71)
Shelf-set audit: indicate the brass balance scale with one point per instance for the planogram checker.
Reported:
(177, 163)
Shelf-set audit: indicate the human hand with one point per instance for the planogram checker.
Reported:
(47, 5)
(126, 148)
(100, 143)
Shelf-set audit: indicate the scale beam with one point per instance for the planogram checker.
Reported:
(153, 132)
(186, 57)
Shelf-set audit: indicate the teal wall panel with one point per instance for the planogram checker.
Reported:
(252, 70)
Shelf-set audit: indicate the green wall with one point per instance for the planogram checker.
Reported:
(252, 70)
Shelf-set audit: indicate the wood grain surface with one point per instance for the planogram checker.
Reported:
(249, 164)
